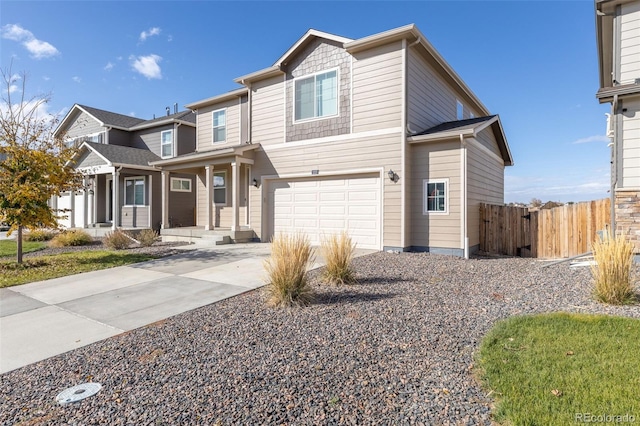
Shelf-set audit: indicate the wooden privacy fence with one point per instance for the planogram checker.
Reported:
(558, 232)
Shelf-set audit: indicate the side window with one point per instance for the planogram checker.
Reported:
(459, 110)
(436, 196)
(166, 143)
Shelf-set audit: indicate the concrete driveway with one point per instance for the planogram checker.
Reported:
(46, 318)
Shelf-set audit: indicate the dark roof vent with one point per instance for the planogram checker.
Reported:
(168, 111)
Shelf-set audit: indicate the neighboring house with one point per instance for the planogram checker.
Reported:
(618, 41)
(121, 189)
(378, 136)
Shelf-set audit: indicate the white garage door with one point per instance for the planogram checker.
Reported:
(327, 206)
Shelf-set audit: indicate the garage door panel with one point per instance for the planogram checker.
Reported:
(363, 196)
(363, 210)
(332, 196)
(305, 210)
(321, 207)
(333, 210)
(305, 196)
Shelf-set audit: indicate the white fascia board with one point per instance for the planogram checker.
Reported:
(259, 75)
(68, 116)
(303, 39)
(440, 136)
(218, 98)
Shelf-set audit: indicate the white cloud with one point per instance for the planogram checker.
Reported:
(132, 114)
(76, 79)
(13, 88)
(151, 32)
(46, 78)
(594, 138)
(109, 66)
(170, 38)
(147, 65)
(39, 49)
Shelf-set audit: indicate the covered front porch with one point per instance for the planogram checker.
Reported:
(222, 183)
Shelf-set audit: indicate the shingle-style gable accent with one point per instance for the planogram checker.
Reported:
(320, 55)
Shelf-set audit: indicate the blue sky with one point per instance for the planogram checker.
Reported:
(534, 63)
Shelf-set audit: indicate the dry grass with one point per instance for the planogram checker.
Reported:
(40, 234)
(72, 237)
(117, 240)
(613, 270)
(291, 256)
(337, 251)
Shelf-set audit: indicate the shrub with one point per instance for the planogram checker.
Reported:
(337, 251)
(147, 237)
(613, 268)
(117, 240)
(72, 237)
(286, 269)
(39, 235)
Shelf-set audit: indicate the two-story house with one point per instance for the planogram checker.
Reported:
(378, 136)
(618, 42)
(121, 189)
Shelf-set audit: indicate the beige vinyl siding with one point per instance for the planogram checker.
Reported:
(430, 100)
(377, 88)
(487, 139)
(433, 161)
(223, 214)
(205, 125)
(267, 111)
(630, 42)
(343, 157)
(135, 216)
(84, 124)
(631, 145)
(485, 184)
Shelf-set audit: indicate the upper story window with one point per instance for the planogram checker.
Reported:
(316, 96)
(459, 110)
(166, 143)
(220, 125)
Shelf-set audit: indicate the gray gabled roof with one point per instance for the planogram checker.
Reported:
(467, 128)
(112, 118)
(123, 155)
(458, 125)
(187, 116)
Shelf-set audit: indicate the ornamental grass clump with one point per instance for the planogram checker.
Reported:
(338, 251)
(72, 237)
(147, 237)
(117, 240)
(291, 256)
(612, 271)
(40, 234)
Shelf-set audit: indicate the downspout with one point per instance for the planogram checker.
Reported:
(463, 196)
(614, 164)
(403, 151)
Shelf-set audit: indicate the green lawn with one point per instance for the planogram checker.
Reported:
(54, 266)
(8, 247)
(556, 369)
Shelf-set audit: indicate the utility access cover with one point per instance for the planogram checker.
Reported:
(78, 393)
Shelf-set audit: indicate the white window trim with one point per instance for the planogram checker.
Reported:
(226, 186)
(173, 179)
(68, 140)
(425, 204)
(324, 117)
(172, 144)
(144, 197)
(213, 127)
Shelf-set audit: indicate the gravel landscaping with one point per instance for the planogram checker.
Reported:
(395, 349)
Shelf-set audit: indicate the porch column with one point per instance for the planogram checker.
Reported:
(93, 180)
(208, 225)
(235, 194)
(165, 200)
(116, 201)
(85, 202)
(72, 207)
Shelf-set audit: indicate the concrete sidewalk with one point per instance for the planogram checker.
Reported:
(47, 318)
